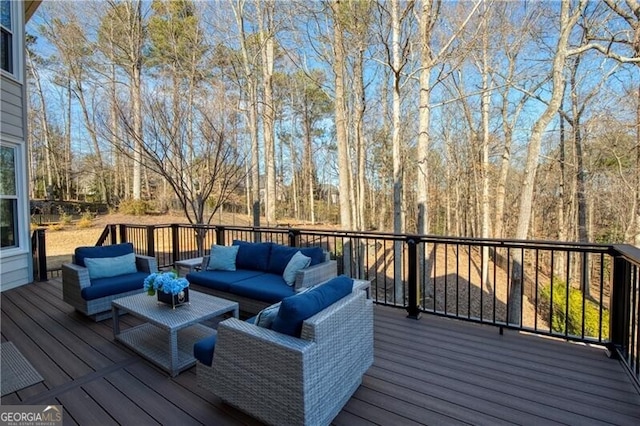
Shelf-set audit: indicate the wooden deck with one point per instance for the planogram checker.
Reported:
(431, 371)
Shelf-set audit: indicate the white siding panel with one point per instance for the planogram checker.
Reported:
(12, 105)
(11, 87)
(14, 271)
(9, 108)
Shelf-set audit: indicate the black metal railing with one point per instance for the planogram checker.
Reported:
(625, 316)
(580, 292)
(39, 254)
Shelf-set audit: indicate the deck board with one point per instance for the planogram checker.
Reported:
(432, 371)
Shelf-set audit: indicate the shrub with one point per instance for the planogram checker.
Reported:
(65, 218)
(86, 220)
(134, 207)
(55, 227)
(572, 319)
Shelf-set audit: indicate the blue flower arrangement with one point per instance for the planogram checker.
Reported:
(167, 282)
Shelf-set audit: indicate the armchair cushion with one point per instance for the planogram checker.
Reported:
(295, 309)
(223, 258)
(113, 285)
(104, 267)
(253, 256)
(101, 251)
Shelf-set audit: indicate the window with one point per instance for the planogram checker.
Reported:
(8, 198)
(6, 27)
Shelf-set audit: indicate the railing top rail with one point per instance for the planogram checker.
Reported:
(434, 239)
(629, 252)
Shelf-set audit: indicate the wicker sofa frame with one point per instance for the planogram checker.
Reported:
(76, 277)
(280, 379)
(307, 277)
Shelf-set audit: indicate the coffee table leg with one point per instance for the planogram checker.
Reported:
(173, 352)
(115, 314)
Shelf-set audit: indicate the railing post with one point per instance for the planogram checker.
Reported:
(42, 255)
(123, 233)
(294, 238)
(220, 240)
(113, 233)
(175, 242)
(151, 241)
(620, 303)
(413, 307)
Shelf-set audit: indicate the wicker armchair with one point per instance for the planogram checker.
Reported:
(75, 278)
(280, 379)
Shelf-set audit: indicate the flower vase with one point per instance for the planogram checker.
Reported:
(174, 299)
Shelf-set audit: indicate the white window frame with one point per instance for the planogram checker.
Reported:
(17, 40)
(21, 231)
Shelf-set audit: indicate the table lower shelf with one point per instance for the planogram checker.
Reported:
(152, 343)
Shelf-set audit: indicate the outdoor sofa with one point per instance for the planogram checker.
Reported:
(99, 274)
(301, 365)
(253, 274)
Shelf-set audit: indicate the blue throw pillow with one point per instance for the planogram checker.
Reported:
(295, 309)
(298, 261)
(101, 251)
(266, 316)
(253, 256)
(223, 258)
(105, 267)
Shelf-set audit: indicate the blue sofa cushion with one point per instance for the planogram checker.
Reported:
(101, 251)
(267, 288)
(295, 309)
(203, 349)
(315, 253)
(221, 280)
(114, 285)
(281, 255)
(253, 256)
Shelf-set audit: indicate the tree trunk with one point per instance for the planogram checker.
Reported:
(567, 22)
(358, 119)
(398, 223)
(484, 163)
(268, 109)
(345, 195)
(252, 95)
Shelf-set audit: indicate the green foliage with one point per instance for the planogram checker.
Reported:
(134, 207)
(572, 319)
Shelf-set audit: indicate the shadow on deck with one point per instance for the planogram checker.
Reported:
(431, 371)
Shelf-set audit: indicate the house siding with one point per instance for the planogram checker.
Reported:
(16, 264)
(12, 108)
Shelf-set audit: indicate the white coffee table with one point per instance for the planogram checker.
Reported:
(168, 335)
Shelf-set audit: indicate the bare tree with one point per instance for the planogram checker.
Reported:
(266, 32)
(344, 161)
(568, 19)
